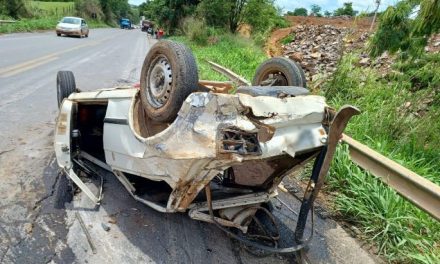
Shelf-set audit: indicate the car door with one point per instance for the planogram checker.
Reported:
(62, 135)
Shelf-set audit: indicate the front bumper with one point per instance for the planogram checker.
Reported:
(70, 32)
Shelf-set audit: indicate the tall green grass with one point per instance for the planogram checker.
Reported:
(236, 53)
(51, 8)
(402, 122)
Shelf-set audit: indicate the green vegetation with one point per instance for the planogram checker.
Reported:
(261, 15)
(35, 24)
(399, 31)
(287, 39)
(400, 119)
(298, 12)
(315, 10)
(345, 10)
(51, 8)
(40, 15)
(234, 52)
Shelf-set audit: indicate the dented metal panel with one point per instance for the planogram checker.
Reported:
(188, 154)
(62, 135)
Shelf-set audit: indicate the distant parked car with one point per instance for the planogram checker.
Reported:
(72, 26)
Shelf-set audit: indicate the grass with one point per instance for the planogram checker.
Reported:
(287, 39)
(400, 119)
(238, 54)
(36, 24)
(52, 8)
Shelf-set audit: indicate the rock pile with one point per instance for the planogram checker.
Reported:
(317, 48)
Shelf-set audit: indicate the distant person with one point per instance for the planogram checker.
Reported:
(159, 33)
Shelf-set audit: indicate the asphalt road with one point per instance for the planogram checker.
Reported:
(31, 231)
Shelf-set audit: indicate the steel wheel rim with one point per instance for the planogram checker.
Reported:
(276, 78)
(159, 80)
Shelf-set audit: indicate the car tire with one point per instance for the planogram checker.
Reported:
(282, 71)
(63, 191)
(58, 34)
(169, 74)
(65, 85)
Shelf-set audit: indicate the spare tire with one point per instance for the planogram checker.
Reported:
(279, 71)
(65, 85)
(169, 74)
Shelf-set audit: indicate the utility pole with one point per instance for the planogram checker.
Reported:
(375, 14)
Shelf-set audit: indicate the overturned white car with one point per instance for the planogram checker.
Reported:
(179, 144)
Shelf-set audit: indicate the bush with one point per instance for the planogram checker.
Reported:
(195, 29)
(263, 16)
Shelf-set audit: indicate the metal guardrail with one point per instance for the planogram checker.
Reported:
(7, 21)
(418, 190)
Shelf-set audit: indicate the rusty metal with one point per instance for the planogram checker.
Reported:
(86, 232)
(237, 79)
(216, 86)
(322, 166)
(417, 189)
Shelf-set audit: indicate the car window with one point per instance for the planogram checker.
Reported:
(83, 22)
(71, 20)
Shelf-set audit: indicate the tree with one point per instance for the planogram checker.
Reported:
(315, 10)
(89, 8)
(215, 12)
(13, 8)
(327, 14)
(300, 12)
(168, 13)
(399, 30)
(346, 10)
(236, 14)
(262, 15)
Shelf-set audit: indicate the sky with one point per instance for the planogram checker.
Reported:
(327, 5)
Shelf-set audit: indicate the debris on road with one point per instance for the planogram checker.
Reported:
(105, 227)
(86, 232)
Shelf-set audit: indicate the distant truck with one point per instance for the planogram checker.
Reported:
(125, 23)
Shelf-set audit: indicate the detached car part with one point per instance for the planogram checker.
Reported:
(167, 142)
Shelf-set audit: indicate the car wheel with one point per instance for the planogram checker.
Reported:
(279, 71)
(87, 35)
(65, 85)
(169, 74)
(58, 34)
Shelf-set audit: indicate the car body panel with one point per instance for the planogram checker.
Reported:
(190, 152)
